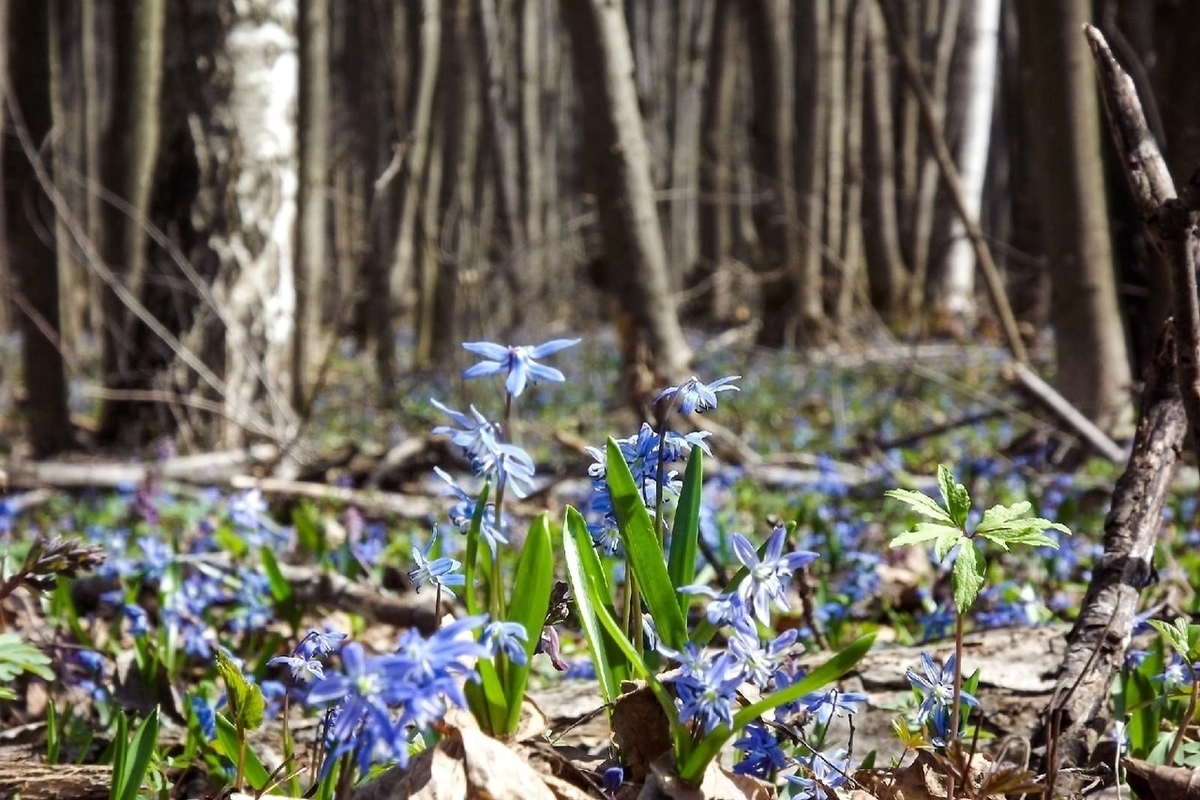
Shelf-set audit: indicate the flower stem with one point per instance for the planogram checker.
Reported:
(1188, 715)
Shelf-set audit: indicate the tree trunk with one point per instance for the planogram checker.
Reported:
(694, 42)
(887, 271)
(619, 171)
(246, 205)
(1093, 368)
(31, 260)
(852, 231)
(981, 29)
(716, 168)
(791, 299)
(533, 208)
(311, 202)
(128, 171)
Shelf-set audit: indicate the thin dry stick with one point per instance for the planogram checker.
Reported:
(945, 161)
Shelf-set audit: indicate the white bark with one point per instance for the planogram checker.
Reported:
(256, 281)
(981, 34)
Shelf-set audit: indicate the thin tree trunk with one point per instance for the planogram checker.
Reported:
(619, 170)
(982, 29)
(812, 40)
(131, 151)
(716, 169)
(1093, 367)
(852, 229)
(533, 208)
(693, 45)
(312, 203)
(884, 255)
(835, 137)
(30, 259)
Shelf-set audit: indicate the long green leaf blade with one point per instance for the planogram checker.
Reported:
(582, 564)
(257, 774)
(643, 551)
(139, 755)
(472, 555)
(530, 602)
(681, 563)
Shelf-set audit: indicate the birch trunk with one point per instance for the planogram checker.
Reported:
(981, 35)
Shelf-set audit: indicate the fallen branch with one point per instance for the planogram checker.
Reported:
(1084, 428)
(203, 469)
(369, 502)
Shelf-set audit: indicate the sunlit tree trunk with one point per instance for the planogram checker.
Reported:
(981, 35)
(695, 38)
(31, 259)
(852, 232)
(618, 169)
(1060, 93)
(246, 206)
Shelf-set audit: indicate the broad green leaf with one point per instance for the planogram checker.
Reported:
(681, 564)
(968, 576)
(999, 516)
(137, 758)
(954, 495)
(529, 604)
(257, 774)
(582, 565)
(309, 532)
(246, 706)
(1176, 635)
(921, 503)
(643, 552)
(115, 755)
(486, 699)
(946, 542)
(472, 555)
(18, 655)
(710, 745)
(281, 589)
(924, 532)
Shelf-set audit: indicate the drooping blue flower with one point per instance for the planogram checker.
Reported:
(303, 670)
(206, 717)
(612, 778)
(319, 643)
(441, 572)
(766, 579)
(758, 660)
(762, 753)
(824, 704)
(519, 364)
(725, 608)
(508, 638)
(696, 395)
(936, 686)
(462, 512)
(474, 434)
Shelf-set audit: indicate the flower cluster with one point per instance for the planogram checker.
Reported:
(935, 686)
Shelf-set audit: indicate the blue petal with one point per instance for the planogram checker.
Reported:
(540, 372)
(543, 350)
(484, 368)
(491, 350)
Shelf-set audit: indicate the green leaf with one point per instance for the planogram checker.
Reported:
(486, 699)
(921, 503)
(924, 532)
(583, 566)
(681, 563)
(309, 532)
(18, 656)
(1176, 635)
(968, 576)
(710, 745)
(946, 542)
(643, 551)
(130, 772)
(246, 706)
(999, 516)
(257, 774)
(472, 555)
(955, 496)
(281, 588)
(530, 602)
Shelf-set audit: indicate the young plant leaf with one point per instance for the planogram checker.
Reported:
(955, 496)
(257, 774)
(281, 589)
(136, 759)
(968, 574)
(643, 552)
(582, 565)
(921, 503)
(246, 706)
(924, 532)
(529, 604)
(681, 564)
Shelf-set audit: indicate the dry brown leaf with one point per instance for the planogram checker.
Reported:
(640, 729)
(1157, 782)
(717, 784)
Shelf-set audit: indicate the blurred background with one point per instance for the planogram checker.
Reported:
(207, 203)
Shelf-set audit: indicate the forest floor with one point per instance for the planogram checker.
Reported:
(224, 556)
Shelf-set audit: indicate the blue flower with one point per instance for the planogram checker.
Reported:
(759, 663)
(247, 508)
(206, 717)
(695, 395)
(819, 774)
(319, 643)
(440, 572)
(708, 696)
(762, 752)
(474, 434)
(303, 670)
(508, 638)
(518, 363)
(765, 579)
(463, 512)
(825, 704)
(936, 686)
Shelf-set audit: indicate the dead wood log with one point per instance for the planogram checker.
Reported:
(1097, 643)
(1045, 395)
(203, 469)
(370, 503)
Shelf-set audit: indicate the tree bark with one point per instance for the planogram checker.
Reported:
(619, 170)
(852, 229)
(717, 167)
(311, 201)
(31, 260)
(128, 171)
(981, 29)
(1093, 367)
(246, 204)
